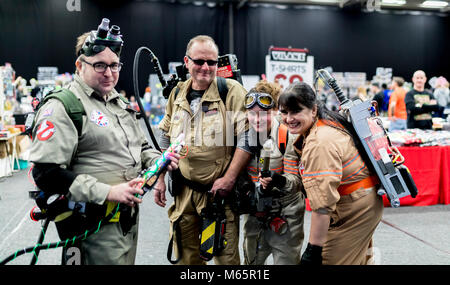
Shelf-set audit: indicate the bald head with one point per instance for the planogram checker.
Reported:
(419, 79)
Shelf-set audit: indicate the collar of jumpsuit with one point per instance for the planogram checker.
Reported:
(91, 92)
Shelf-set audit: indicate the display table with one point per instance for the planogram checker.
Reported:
(7, 164)
(430, 169)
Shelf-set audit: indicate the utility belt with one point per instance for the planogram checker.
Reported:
(177, 181)
(266, 207)
(74, 218)
(76, 222)
(245, 191)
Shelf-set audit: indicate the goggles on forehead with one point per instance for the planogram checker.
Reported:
(264, 100)
(104, 37)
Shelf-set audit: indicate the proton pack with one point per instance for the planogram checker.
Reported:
(384, 158)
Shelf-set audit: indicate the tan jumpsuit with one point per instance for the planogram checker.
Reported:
(338, 183)
(209, 133)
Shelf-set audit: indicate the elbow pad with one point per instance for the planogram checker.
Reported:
(52, 178)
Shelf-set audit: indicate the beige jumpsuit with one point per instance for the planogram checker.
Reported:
(108, 152)
(332, 167)
(209, 133)
(259, 240)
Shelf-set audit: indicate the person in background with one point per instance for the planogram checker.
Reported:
(442, 95)
(134, 104)
(362, 93)
(378, 95)
(420, 103)
(397, 108)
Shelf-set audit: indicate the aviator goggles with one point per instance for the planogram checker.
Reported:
(264, 100)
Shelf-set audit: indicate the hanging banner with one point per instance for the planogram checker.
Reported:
(288, 65)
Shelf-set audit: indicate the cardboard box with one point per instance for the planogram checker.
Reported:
(3, 149)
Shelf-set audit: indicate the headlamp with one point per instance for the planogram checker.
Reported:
(104, 37)
(264, 100)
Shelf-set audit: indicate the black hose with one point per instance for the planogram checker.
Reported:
(157, 68)
(62, 243)
(326, 76)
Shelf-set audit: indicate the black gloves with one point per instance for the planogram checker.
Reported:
(312, 255)
(278, 180)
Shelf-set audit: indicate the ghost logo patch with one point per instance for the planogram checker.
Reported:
(45, 130)
(99, 118)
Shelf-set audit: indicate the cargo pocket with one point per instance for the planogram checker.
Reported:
(174, 235)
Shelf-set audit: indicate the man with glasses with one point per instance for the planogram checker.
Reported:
(97, 166)
(210, 125)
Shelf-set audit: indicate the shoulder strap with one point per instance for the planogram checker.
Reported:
(71, 103)
(177, 90)
(125, 100)
(282, 138)
(223, 89)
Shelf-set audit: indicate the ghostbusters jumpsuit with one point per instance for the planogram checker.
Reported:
(338, 183)
(259, 240)
(209, 134)
(109, 151)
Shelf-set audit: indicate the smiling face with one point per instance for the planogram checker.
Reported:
(299, 122)
(298, 107)
(101, 82)
(202, 75)
(260, 119)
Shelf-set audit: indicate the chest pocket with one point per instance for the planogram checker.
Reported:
(212, 125)
(100, 124)
(179, 124)
(131, 131)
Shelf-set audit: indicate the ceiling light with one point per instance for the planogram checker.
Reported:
(393, 2)
(325, 1)
(434, 4)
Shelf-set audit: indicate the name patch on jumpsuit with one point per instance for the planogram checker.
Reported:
(99, 118)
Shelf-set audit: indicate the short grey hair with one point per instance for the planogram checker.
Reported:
(201, 39)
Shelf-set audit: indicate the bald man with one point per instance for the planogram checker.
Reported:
(420, 103)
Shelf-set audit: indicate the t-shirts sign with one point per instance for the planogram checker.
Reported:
(288, 65)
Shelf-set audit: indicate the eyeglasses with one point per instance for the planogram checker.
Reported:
(264, 100)
(100, 67)
(200, 62)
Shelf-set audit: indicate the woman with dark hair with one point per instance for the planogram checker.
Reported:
(340, 187)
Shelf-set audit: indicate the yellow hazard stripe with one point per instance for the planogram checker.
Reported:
(110, 207)
(208, 232)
